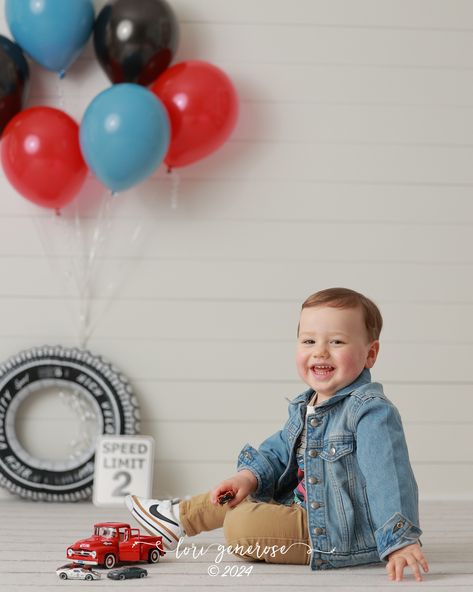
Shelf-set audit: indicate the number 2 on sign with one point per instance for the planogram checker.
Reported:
(120, 491)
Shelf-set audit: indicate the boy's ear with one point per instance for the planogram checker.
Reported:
(372, 354)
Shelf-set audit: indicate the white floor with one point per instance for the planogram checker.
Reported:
(34, 536)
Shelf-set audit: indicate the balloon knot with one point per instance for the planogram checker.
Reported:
(61, 74)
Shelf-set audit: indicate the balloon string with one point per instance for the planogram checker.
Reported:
(175, 187)
(75, 400)
(102, 227)
(74, 244)
(60, 92)
(46, 238)
(80, 256)
(121, 274)
(46, 227)
(84, 296)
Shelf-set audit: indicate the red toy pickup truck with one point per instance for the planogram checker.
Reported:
(113, 542)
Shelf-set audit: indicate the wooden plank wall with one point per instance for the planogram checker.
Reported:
(350, 165)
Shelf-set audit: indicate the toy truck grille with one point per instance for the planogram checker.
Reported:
(82, 553)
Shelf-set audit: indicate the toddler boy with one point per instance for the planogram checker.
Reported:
(334, 487)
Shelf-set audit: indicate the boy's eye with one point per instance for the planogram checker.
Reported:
(308, 341)
(336, 341)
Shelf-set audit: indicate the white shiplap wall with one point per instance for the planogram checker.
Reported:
(350, 165)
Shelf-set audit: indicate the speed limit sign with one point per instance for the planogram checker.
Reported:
(123, 466)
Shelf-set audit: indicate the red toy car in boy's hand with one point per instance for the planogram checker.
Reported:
(113, 542)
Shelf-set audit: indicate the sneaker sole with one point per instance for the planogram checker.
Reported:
(151, 524)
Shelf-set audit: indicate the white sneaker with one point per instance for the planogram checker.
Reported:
(157, 518)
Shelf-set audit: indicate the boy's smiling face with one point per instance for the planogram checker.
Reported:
(333, 348)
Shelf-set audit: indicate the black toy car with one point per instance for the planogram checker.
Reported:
(126, 573)
(225, 497)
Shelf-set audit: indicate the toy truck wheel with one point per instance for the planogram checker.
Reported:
(121, 577)
(153, 556)
(142, 574)
(110, 561)
(88, 577)
(63, 576)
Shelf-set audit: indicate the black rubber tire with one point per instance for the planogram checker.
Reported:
(89, 577)
(110, 561)
(154, 556)
(63, 576)
(121, 577)
(142, 574)
(105, 387)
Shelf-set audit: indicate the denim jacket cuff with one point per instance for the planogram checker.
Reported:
(396, 533)
(252, 460)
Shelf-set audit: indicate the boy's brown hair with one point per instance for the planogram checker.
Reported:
(346, 298)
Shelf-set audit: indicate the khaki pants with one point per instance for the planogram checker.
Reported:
(260, 531)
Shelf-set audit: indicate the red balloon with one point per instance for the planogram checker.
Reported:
(203, 108)
(41, 156)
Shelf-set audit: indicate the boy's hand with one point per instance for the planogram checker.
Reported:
(241, 484)
(409, 555)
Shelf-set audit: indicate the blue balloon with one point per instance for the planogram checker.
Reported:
(124, 135)
(52, 32)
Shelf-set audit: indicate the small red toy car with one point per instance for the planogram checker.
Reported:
(113, 542)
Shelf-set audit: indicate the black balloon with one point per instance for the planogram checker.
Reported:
(14, 80)
(135, 40)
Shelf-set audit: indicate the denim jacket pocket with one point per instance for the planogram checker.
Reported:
(337, 454)
(336, 447)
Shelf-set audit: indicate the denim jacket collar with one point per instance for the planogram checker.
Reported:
(361, 379)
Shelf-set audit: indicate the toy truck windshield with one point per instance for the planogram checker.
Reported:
(103, 531)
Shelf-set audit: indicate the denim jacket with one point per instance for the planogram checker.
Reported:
(362, 500)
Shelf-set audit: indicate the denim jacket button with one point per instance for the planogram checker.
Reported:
(313, 453)
(315, 505)
(247, 455)
(313, 480)
(332, 451)
(319, 530)
(314, 422)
